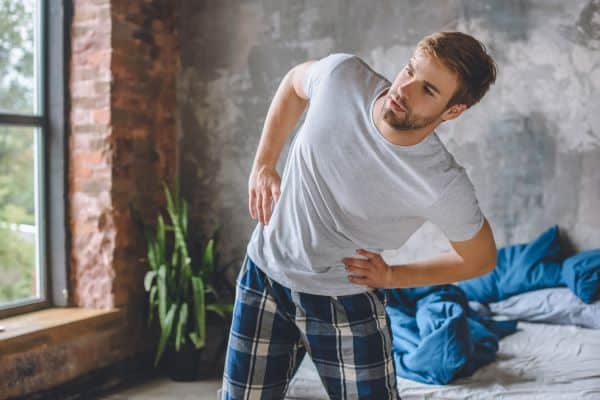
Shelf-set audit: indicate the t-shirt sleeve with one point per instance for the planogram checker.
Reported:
(457, 211)
(320, 70)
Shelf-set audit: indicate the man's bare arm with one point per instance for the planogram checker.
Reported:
(470, 259)
(285, 110)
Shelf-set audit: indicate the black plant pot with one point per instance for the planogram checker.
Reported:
(182, 365)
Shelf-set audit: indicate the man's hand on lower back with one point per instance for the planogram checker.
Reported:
(263, 192)
(373, 271)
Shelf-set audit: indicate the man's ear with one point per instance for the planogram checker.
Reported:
(454, 111)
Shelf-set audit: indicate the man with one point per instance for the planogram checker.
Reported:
(365, 171)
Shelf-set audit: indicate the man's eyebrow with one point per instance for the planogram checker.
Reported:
(427, 83)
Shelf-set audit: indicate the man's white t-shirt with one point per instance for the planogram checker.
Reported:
(345, 186)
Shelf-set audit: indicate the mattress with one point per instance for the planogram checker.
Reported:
(539, 361)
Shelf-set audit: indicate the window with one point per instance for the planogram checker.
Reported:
(31, 137)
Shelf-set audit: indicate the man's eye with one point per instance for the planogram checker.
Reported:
(427, 90)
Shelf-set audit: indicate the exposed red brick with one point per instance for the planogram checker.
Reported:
(101, 115)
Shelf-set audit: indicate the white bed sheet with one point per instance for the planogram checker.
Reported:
(539, 361)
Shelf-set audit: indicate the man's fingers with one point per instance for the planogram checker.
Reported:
(366, 253)
(260, 201)
(275, 197)
(369, 254)
(358, 271)
(357, 262)
(362, 280)
(260, 204)
(252, 204)
(264, 190)
(359, 280)
(266, 207)
(275, 192)
(258, 207)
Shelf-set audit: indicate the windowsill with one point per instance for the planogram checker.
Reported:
(52, 326)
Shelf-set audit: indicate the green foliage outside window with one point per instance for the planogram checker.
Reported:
(17, 196)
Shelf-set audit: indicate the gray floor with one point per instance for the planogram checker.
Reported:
(165, 388)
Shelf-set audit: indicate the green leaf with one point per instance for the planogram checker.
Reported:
(208, 256)
(196, 340)
(181, 323)
(199, 308)
(221, 309)
(180, 241)
(175, 259)
(152, 256)
(173, 209)
(170, 206)
(184, 218)
(152, 304)
(148, 279)
(162, 294)
(165, 332)
(160, 238)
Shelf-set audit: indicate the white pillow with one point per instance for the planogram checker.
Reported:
(553, 305)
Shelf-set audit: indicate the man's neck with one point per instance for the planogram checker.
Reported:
(401, 138)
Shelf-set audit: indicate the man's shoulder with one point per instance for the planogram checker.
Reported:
(339, 72)
(348, 72)
(333, 61)
(350, 62)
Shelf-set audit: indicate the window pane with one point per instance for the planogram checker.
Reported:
(20, 278)
(18, 40)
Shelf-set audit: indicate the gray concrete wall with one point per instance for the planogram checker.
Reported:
(531, 147)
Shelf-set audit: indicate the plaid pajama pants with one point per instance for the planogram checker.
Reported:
(273, 327)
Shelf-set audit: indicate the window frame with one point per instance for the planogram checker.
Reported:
(54, 18)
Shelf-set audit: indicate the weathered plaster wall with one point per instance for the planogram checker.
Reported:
(532, 147)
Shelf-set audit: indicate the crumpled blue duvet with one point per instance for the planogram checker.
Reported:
(437, 337)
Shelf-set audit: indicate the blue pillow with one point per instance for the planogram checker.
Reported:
(520, 268)
(581, 273)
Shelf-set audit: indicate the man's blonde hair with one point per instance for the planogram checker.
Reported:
(467, 58)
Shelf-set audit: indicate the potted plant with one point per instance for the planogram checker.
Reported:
(180, 290)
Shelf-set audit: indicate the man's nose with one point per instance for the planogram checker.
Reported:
(404, 89)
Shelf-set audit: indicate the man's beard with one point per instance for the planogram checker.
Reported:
(408, 122)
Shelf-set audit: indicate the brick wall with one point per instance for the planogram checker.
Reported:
(122, 144)
(122, 141)
(144, 63)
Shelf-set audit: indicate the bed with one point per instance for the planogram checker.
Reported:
(539, 361)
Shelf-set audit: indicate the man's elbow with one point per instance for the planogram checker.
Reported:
(487, 265)
(482, 266)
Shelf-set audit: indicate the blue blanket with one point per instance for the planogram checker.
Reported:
(519, 268)
(581, 273)
(437, 337)
(539, 264)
